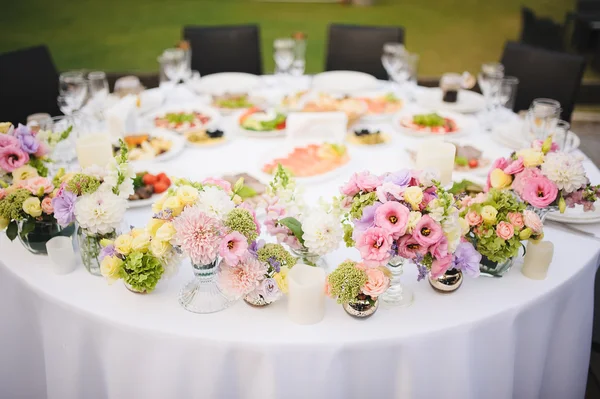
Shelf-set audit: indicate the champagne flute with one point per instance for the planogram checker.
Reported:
(98, 88)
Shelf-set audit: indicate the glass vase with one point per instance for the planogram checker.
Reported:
(397, 294)
(490, 268)
(308, 258)
(448, 282)
(256, 300)
(543, 212)
(134, 290)
(202, 294)
(361, 308)
(35, 240)
(89, 248)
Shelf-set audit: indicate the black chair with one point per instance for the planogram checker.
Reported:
(28, 84)
(224, 48)
(541, 32)
(359, 48)
(543, 73)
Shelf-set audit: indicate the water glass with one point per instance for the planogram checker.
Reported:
(72, 89)
(174, 64)
(299, 65)
(561, 136)
(508, 92)
(284, 54)
(490, 81)
(542, 117)
(98, 89)
(63, 153)
(392, 57)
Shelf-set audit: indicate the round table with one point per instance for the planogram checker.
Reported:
(75, 336)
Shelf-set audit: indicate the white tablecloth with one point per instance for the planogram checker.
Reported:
(74, 336)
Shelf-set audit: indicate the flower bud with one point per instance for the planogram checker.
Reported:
(525, 233)
(562, 205)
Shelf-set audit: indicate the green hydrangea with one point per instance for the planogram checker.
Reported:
(11, 206)
(346, 281)
(276, 252)
(241, 220)
(83, 184)
(495, 248)
(142, 271)
(348, 230)
(360, 202)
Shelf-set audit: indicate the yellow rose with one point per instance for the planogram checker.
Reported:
(4, 223)
(136, 232)
(123, 244)
(32, 206)
(174, 204)
(188, 195)
(23, 173)
(158, 205)
(5, 127)
(165, 232)
(281, 279)
(110, 268)
(159, 248)
(531, 157)
(488, 213)
(414, 196)
(154, 225)
(413, 219)
(499, 179)
(141, 242)
(464, 226)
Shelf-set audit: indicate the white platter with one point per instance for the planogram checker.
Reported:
(576, 216)
(178, 143)
(344, 82)
(468, 101)
(192, 107)
(464, 124)
(226, 82)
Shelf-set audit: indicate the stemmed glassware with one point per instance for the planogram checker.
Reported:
(490, 81)
(283, 54)
(72, 89)
(401, 66)
(299, 63)
(175, 65)
(542, 117)
(392, 57)
(98, 92)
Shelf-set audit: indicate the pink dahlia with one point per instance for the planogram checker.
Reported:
(427, 231)
(393, 217)
(374, 246)
(540, 192)
(12, 158)
(243, 277)
(198, 235)
(233, 247)
(409, 248)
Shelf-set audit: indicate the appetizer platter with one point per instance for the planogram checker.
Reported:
(364, 136)
(352, 107)
(294, 101)
(257, 122)
(147, 188)
(381, 106)
(230, 102)
(156, 145)
(184, 118)
(423, 124)
(205, 138)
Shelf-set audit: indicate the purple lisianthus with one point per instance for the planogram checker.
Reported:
(400, 178)
(108, 250)
(276, 265)
(255, 246)
(366, 221)
(28, 142)
(64, 207)
(466, 259)
(269, 290)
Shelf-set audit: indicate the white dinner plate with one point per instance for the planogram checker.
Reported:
(192, 107)
(178, 143)
(576, 216)
(154, 169)
(464, 124)
(381, 117)
(468, 101)
(226, 82)
(344, 82)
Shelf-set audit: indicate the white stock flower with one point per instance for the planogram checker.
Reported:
(100, 212)
(565, 170)
(322, 232)
(215, 202)
(427, 176)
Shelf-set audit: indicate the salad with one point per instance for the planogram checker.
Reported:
(260, 120)
(386, 104)
(180, 121)
(145, 185)
(232, 101)
(433, 123)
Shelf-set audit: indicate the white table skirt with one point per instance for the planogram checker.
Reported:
(74, 336)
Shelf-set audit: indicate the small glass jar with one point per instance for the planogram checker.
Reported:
(308, 258)
(89, 248)
(202, 294)
(450, 85)
(44, 230)
(490, 268)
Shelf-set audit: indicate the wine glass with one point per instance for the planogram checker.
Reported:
(98, 89)
(542, 117)
(72, 89)
(174, 64)
(283, 54)
(490, 81)
(392, 57)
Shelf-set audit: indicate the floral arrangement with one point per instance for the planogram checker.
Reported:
(406, 214)
(498, 223)
(544, 177)
(352, 281)
(27, 200)
(315, 231)
(23, 150)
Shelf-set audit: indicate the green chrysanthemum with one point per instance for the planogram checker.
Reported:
(11, 207)
(346, 281)
(83, 184)
(142, 271)
(241, 220)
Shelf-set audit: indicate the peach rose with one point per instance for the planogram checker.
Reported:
(473, 218)
(2, 193)
(377, 283)
(532, 220)
(505, 230)
(47, 206)
(39, 185)
(516, 219)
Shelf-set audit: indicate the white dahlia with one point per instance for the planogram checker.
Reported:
(100, 212)
(214, 202)
(322, 232)
(565, 170)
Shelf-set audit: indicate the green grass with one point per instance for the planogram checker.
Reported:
(128, 35)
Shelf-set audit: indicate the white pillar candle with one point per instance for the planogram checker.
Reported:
(306, 299)
(94, 149)
(537, 259)
(437, 155)
(61, 253)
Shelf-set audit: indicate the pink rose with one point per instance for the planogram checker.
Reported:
(427, 231)
(12, 158)
(440, 266)
(505, 230)
(522, 179)
(350, 188)
(374, 246)
(7, 141)
(327, 288)
(440, 248)
(500, 163)
(540, 192)
(409, 248)
(367, 182)
(393, 217)
(39, 185)
(42, 150)
(516, 219)
(515, 167)
(377, 283)
(47, 206)
(479, 198)
(533, 221)
(2, 193)
(225, 185)
(473, 218)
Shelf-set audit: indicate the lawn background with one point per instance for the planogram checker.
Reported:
(128, 35)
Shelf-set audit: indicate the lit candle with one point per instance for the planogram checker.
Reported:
(437, 155)
(537, 259)
(306, 299)
(94, 149)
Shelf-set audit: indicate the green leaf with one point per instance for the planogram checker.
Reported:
(28, 226)
(12, 230)
(295, 226)
(65, 135)
(239, 184)
(246, 192)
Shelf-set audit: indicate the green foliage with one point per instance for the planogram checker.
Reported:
(277, 252)
(282, 178)
(295, 226)
(360, 202)
(83, 184)
(58, 176)
(348, 230)
(39, 165)
(346, 281)
(11, 206)
(142, 271)
(12, 230)
(138, 181)
(465, 186)
(65, 134)
(241, 220)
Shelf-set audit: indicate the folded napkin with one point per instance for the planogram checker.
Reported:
(121, 117)
(316, 127)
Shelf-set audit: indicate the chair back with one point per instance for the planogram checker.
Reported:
(541, 32)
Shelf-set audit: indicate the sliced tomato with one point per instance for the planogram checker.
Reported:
(280, 126)
(249, 112)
